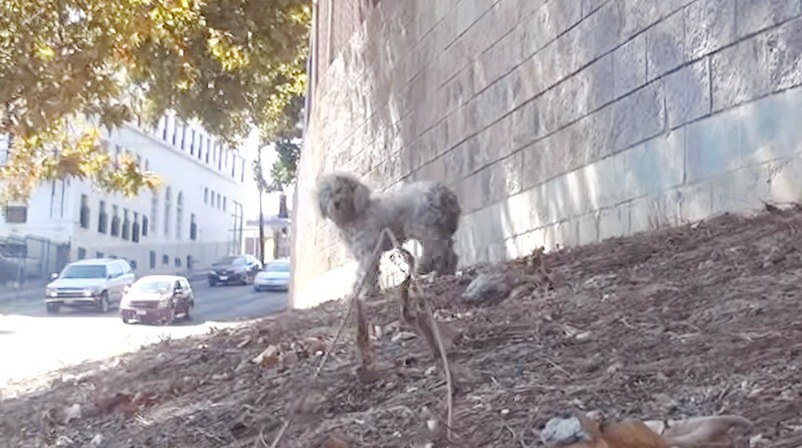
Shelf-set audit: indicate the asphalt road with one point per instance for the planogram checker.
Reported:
(33, 343)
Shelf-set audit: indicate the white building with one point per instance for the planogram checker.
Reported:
(194, 218)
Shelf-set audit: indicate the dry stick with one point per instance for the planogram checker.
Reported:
(374, 259)
(440, 345)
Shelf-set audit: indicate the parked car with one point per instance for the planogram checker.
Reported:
(158, 299)
(234, 269)
(96, 283)
(276, 275)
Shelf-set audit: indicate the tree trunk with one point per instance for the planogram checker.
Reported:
(261, 231)
(282, 206)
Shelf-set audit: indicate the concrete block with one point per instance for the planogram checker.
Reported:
(695, 202)
(601, 32)
(665, 48)
(534, 164)
(462, 123)
(500, 59)
(591, 6)
(548, 22)
(786, 59)
(526, 82)
(641, 14)
(741, 73)
(494, 103)
(629, 66)
(526, 123)
(638, 117)
(757, 15)
(688, 93)
(587, 228)
(522, 211)
(494, 142)
(613, 222)
(751, 134)
(600, 80)
(785, 185)
(741, 191)
(709, 26)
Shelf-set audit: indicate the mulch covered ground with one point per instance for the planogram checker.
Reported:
(698, 320)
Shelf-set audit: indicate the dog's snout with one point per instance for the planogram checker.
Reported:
(337, 203)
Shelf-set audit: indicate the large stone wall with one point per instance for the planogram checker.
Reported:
(558, 122)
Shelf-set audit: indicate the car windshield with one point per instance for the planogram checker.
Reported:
(84, 271)
(152, 286)
(277, 267)
(226, 260)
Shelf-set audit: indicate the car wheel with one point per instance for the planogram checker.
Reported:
(125, 320)
(212, 282)
(188, 316)
(170, 317)
(103, 306)
(52, 308)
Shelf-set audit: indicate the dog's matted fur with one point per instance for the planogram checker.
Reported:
(425, 211)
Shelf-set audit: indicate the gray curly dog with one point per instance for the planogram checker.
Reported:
(425, 211)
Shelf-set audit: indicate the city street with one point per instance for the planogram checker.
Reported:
(33, 342)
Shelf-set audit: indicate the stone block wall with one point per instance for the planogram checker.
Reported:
(557, 122)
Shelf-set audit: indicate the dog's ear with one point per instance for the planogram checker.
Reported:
(361, 198)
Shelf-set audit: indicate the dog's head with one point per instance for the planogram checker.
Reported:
(342, 197)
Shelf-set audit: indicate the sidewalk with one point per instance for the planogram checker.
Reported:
(32, 290)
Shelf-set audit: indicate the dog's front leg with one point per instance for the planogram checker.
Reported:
(367, 277)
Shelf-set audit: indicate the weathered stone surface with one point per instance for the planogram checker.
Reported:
(638, 116)
(688, 93)
(709, 26)
(629, 66)
(731, 83)
(559, 122)
(665, 49)
(757, 15)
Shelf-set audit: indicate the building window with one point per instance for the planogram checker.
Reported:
(242, 172)
(103, 219)
(16, 214)
(99, 255)
(166, 126)
(147, 165)
(168, 199)
(135, 228)
(154, 211)
(220, 157)
(115, 222)
(145, 223)
(200, 146)
(126, 234)
(205, 195)
(175, 133)
(152, 259)
(84, 211)
(189, 261)
(165, 259)
(132, 263)
(179, 215)
(177, 262)
(224, 203)
(208, 148)
(81, 253)
(193, 228)
(192, 143)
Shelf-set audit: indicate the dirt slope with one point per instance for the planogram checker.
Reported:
(689, 321)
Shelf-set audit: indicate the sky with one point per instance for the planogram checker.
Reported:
(269, 201)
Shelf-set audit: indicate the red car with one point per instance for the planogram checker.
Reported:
(157, 299)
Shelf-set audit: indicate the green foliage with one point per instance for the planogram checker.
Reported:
(231, 64)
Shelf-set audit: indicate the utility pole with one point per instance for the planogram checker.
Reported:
(261, 230)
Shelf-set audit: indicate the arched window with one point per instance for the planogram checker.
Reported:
(168, 203)
(154, 212)
(179, 215)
